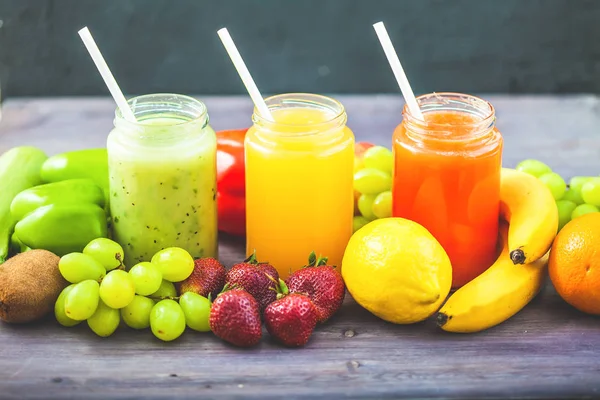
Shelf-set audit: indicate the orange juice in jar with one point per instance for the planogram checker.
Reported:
(299, 181)
(447, 177)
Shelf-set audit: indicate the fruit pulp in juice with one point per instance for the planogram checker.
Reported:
(299, 194)
(452, 188)
(163, 193)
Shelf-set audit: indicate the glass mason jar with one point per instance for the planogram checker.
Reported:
(447, 177)
(163, 178)
(299, 181)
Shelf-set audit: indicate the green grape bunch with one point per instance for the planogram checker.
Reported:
(579, 197)
(372, 186)
(103, 293)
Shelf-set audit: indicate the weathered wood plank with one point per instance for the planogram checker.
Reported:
(548, 350)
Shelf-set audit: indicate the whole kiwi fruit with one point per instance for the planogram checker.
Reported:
(30, 283)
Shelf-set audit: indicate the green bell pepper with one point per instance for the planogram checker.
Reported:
(62, 228)
(67, 212)
(89, 163)
(19, 170)
(70, 191)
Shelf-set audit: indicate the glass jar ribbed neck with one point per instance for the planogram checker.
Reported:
(178, 115)
(483, 114)
(327, 105)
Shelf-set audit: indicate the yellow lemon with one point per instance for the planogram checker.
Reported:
(397, 270)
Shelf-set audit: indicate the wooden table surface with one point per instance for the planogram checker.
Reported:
(548, 350)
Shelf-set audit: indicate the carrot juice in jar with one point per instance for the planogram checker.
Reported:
(299, 181)
(447, 177)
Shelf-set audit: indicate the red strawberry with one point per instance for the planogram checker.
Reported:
(258, 279)
(207, 278)
(322, 283)
(291, 319)
(235, 318)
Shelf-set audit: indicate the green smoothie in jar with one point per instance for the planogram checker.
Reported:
(162, 172)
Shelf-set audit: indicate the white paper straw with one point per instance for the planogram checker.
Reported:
(108, 77)
(397, 69)
(244, 74)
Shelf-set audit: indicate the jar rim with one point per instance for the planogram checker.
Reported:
(485, 107)
(317, 100)
(198, 109)
(451, 102)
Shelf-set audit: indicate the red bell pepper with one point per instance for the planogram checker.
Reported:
(231, 181)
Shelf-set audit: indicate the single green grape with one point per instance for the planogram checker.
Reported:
(78, 267)
(137, 313)
(166, 289)
(555, 183)
(365, 206)
(565, 209)
(82, 300)
(380, 158)
(372, 181)
(576, 184)
(196, 309)
(167, 320)
(117, 289)
(146, 277)
(573, 196)
(358, 221)
(590, 192)
(105, 320)
(59, 308)
(109, 253)
(533, 167)
(584, 209)
(382, 205)
(174, 263)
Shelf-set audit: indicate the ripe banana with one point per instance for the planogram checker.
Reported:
(494, 296)
(528, 206)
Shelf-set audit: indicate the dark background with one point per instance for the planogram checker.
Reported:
(326, 46)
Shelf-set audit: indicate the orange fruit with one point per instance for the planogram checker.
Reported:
(574, 264)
